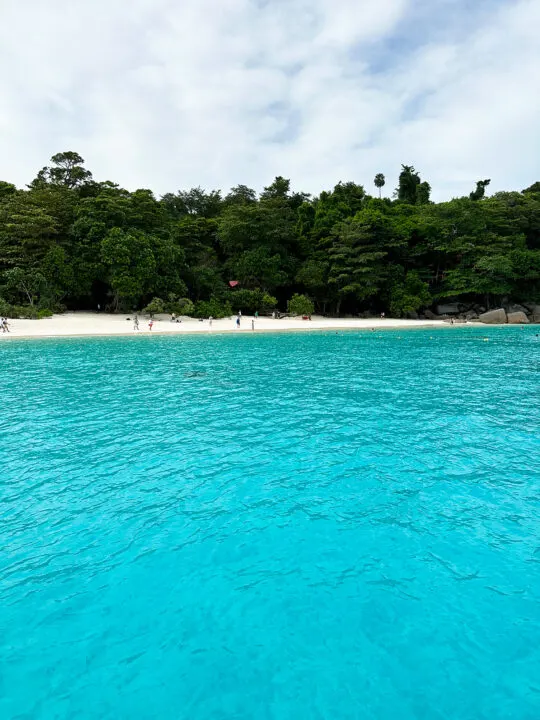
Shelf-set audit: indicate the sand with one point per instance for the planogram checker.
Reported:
(102, 324)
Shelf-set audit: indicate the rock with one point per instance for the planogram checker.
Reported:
(447, 309)
(515, 308)
(534, 312)
(411, 316)
(471, 315)
(429, 315)
(493, 317)
(517, 318)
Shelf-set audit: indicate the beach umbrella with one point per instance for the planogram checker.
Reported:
(233, 283)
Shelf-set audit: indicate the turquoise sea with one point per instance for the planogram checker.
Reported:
(271, 526)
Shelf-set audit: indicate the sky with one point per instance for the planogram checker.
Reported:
(173, 94)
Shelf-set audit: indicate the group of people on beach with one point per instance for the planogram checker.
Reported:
(4, 325)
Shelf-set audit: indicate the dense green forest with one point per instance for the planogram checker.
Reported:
(69, 242)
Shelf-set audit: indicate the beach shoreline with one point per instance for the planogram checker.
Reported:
(86, 324)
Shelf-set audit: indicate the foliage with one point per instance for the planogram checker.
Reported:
(180, 306)
(251, 301)
(154, 307)
(379, 182)
(480, 190)
(70, 241)
(212, 308)
(410, 295)
(300, 305)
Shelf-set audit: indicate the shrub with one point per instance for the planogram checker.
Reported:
(251, 301)
(181, 306)
(44, 313)
(27, 312)
(155, 306)
(300, 305)
(269, 302)
(212, 308)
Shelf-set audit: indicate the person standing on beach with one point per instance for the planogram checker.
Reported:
(150, 324)
(136, 323)
(253, 323)
(210, 320)
(238, 321)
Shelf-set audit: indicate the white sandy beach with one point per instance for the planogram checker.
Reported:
(102, 324)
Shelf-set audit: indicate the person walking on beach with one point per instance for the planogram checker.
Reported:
(150, 324)
(238, 321)
(5, 325)
(136, 323)
(210, 320)
(253, 323)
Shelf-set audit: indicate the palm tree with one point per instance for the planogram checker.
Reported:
(379, 182)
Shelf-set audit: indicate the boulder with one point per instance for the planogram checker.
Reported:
(411, 315)
(429, 315)
(517, 318)
(471, 315)
(534, 312)
(493, 317)
(515, 309)
(448, 309)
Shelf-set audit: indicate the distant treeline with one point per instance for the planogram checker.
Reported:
(70, 242)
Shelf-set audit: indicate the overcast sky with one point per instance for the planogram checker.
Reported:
(171, 94)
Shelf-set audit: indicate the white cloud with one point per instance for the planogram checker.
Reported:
(168, 94)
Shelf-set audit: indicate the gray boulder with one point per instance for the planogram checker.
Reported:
(494, 317)
(515, 309)
(517, 318)
(429, 315)
(534, 312)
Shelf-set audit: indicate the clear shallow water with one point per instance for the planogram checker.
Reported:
(290, 526)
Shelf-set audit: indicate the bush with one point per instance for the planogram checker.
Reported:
(155, 306)
(251, 301)
(26, 312)
(300, 305)
(181, 306)
(212, 308)
(44, 313)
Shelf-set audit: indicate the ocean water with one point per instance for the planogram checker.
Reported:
(271, 526)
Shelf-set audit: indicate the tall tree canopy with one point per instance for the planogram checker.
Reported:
(67, 241)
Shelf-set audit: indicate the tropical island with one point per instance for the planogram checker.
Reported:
(68, 242)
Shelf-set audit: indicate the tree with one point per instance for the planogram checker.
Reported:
(379, 182)
(409, 295)
(423, 191)
(300, 305)
(130, 264)
(26, 282)
(480, 191)
(409, 180)
(67, 170)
